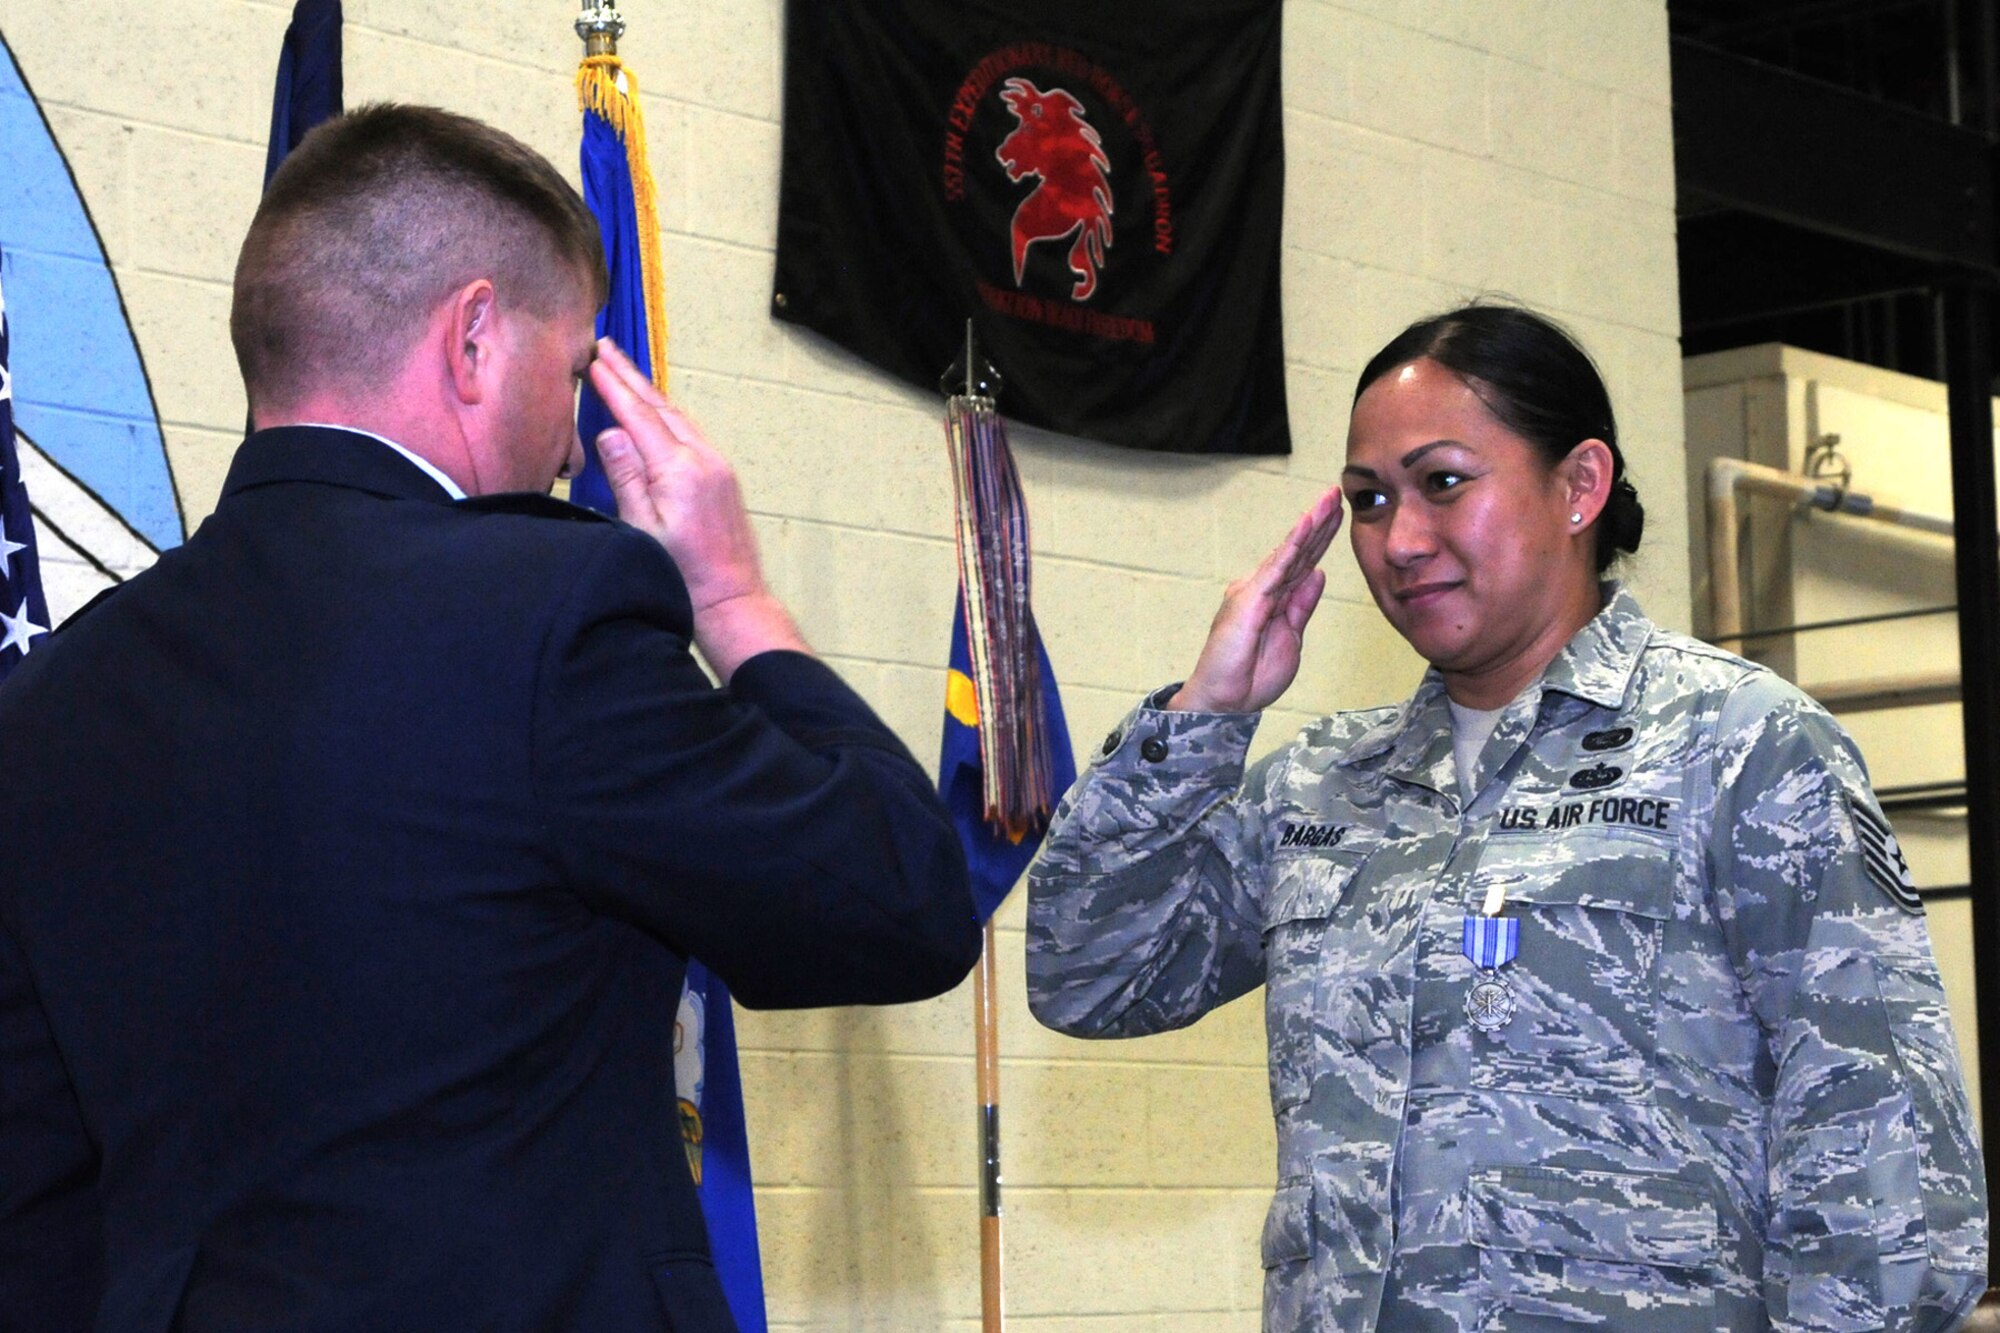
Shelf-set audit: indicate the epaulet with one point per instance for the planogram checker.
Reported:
(532, 504)
(1689, 646)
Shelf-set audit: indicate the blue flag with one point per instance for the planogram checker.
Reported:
(621, 197)
(308, 89)
(619, 191)
(996, 858)
(24, 615)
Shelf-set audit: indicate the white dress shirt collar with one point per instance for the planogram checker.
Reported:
(431, 469)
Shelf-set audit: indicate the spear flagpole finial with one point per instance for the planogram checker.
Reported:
(600, 25)
(971, 375)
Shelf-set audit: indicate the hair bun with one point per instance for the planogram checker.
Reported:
(1624, 517)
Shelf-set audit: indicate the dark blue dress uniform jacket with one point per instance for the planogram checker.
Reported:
(349, 863)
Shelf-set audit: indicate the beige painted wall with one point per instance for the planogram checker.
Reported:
(1436, 149)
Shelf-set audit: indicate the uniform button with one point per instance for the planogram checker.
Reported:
(1111, 741)
(1154, 750)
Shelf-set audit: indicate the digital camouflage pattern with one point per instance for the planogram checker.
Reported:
(1728, 1097)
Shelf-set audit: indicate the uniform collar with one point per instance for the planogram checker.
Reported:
(331, 456)
(1596, 665)
(1417, 739)
(430, 469)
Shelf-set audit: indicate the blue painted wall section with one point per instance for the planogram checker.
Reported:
(80, 389)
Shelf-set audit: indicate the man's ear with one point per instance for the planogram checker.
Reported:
(471, 339)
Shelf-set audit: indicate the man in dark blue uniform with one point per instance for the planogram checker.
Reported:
(354, 853)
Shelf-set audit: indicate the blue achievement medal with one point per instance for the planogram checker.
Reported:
(1491, 942)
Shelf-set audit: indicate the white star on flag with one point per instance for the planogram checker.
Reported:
(7, 549)
(19, 630)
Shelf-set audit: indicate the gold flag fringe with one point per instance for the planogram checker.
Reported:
(604, 85)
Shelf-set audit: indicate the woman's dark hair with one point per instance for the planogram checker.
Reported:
(1535, 379)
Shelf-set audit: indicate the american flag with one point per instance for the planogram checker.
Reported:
(24, 616)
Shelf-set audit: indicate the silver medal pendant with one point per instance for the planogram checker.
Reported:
(1489, 1004)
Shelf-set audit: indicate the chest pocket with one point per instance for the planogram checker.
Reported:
(1306, 891)
(1593, 906)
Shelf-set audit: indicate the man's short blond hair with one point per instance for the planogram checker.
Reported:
(375, 218)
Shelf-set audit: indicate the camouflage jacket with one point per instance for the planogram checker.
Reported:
(1720, 1089)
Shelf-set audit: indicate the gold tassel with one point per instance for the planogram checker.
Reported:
(597, 89)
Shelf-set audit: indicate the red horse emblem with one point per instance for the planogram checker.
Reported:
(1054, 143)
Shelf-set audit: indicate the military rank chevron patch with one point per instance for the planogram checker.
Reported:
(1883, 856)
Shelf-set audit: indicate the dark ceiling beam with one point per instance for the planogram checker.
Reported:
(1735, 268)
(1768, 142)
(1761, 22)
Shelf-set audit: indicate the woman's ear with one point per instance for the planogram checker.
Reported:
(1585, 477)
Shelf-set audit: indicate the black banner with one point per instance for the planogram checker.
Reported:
(1097, 184)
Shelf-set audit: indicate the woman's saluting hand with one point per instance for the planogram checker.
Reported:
(1253, 644)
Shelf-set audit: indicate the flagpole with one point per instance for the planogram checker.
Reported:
(618, 188)
(986, 1023)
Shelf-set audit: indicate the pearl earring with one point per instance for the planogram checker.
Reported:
(1576, 518)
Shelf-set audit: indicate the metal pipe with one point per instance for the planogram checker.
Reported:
(1875, 694)
(1935, 800)
(1725, 580)
(1948, 893)
(1842, 622)
(1954, 69)
(1982, 109)
(1727, 477)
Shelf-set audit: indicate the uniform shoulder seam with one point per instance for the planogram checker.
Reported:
(529, 504)
(1666, 641)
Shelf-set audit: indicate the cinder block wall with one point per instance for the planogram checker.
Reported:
(1436, 149)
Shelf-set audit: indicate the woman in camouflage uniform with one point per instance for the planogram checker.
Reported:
(1597, 992)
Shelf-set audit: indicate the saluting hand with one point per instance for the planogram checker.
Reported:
(671, 483)
(1253, 645)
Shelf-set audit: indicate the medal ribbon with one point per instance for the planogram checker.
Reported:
(1492, 940)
